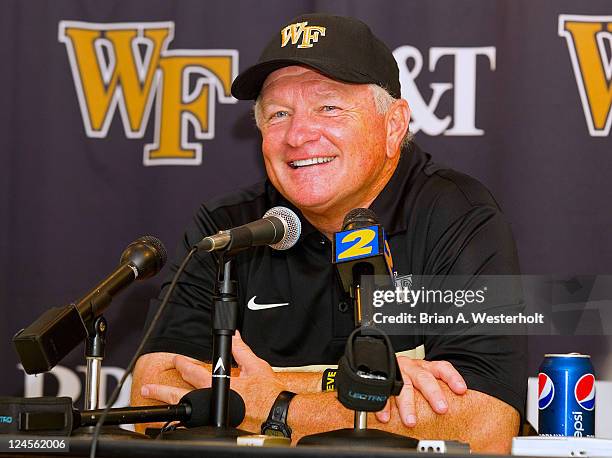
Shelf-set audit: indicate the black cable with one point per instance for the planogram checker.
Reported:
(130, 368)
(168, 426)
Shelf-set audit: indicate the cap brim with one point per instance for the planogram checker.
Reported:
(248, 84)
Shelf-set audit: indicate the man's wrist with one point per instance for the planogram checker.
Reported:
(276, 422)
(301, 381)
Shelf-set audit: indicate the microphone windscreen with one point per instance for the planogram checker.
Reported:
(291, 223)
(200, 403)
(359, 217)
(147, 254)
(237, 409)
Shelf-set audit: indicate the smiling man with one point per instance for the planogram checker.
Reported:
(314, 144)
(335, 137)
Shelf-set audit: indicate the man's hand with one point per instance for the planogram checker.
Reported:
(257, 383)
(423, 376)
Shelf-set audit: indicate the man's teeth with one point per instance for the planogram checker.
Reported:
(311, 161)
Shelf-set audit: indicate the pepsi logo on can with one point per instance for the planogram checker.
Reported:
(584, 391)
(546, 391)
(566, 396)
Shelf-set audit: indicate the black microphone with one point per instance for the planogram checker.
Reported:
(59, 330)
(359, 250)
(280, 228)
(192, 410)
(367, 372)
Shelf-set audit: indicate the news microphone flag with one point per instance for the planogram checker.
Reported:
(366, 244)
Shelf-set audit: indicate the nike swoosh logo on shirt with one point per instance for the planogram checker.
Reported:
(252, 305)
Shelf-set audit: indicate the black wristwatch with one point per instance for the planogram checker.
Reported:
(276, 424)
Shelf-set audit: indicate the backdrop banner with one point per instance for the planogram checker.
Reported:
(117, 121)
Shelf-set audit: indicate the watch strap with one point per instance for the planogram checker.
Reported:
(278, 414)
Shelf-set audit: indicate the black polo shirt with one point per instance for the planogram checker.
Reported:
(439, 222)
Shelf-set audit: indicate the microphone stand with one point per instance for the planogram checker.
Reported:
(95, 348)
(95, 345)
(360, 421)
(224, 325)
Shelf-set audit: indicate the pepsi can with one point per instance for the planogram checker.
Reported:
(566, 396)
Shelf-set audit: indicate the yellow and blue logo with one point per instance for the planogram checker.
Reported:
(357, 243)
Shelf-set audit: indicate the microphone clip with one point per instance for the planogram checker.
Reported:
(368, 372)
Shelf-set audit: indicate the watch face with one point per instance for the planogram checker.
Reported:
(275, 429)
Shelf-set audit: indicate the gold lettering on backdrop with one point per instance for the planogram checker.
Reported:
(126, 66)
(589, 41)
(177, 105)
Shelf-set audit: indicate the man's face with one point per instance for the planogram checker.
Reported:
(324, 144)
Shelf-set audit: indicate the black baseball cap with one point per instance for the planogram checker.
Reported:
(342, 48)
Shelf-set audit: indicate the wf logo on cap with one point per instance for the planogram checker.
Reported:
(308, 33)
(546, 391)
(584, 391)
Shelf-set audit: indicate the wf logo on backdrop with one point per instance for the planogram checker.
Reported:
(128, 66)
(589, 41)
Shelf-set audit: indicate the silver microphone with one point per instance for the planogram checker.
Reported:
(280, 228)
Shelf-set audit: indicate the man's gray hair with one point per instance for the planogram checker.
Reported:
(382, 100)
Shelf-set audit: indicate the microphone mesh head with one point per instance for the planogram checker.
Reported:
(359, 217)
(158, 245)
(147, 254)
(293, 227)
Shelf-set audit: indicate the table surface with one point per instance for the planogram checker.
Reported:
(109, 446)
